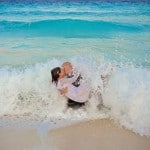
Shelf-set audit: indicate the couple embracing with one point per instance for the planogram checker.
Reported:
(73, 86)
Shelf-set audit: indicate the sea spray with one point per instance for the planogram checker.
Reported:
(128, 96)
(126, 93)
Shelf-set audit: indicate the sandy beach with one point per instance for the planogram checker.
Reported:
(89, 135)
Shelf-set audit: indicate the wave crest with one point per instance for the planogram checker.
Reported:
(67, 28)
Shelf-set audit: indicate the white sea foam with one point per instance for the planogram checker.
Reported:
(128, 96)
(29, 90)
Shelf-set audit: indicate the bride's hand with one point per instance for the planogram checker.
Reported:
(63, 90)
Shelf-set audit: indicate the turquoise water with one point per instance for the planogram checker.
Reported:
(95, 36)
(38, 32)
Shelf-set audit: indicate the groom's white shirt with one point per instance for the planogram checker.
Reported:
(79, 94)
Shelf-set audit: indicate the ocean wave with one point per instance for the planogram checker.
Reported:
(118, 12)
(68, 28)
(29, 90)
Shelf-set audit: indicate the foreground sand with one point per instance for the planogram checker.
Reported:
(90, 135)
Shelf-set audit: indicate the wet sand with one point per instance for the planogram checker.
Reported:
(89, 135)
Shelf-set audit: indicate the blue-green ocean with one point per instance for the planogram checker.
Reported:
(36, 36)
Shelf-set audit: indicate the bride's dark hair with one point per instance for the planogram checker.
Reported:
(55, 74)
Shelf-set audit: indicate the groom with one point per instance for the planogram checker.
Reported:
(77, 92)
